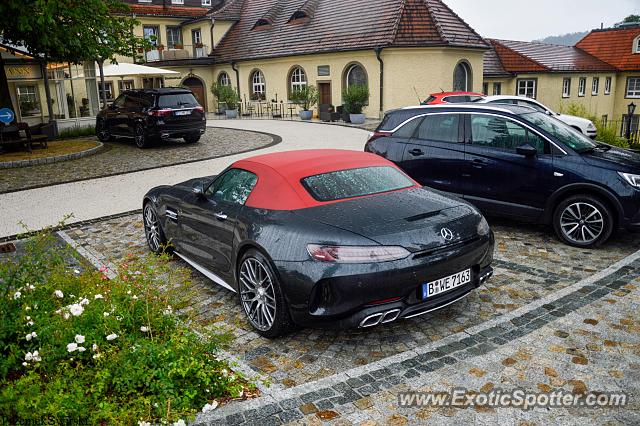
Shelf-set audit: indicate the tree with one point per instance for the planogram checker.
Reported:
(66, 31)
(631, 18)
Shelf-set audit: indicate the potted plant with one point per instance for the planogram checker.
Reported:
(305, 97)
(229, 96)
(355, 98)
(178, 46)
(216, 91)
(160, 47)
(199, 45)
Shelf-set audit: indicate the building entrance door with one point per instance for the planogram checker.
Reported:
(324, 90)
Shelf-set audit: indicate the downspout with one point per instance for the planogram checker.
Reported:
(378, 53)
(233, 67)
(213, 42)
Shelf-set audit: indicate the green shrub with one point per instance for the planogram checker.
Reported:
(305, 97)
(79, 347)
(229, 96)
(355, 98)
(606, 133)
(76, 132)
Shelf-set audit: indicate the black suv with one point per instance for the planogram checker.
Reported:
(149, 114)
(515, 161)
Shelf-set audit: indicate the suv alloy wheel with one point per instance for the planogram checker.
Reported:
(583, 221)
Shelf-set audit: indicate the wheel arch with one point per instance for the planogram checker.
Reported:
(583, 189)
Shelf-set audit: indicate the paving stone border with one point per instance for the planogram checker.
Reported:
(293, 404)
(56, 159)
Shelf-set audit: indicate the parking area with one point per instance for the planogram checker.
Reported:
(530, 265)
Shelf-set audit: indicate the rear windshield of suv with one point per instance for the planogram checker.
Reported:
(393, 119)
(355, 183)
(177, 100)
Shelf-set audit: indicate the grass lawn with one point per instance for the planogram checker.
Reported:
(56, 148)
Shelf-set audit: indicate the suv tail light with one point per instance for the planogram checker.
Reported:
(377, 135)
(161, 112)
(199, 109)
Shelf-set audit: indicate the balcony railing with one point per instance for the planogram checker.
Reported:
(186, 51)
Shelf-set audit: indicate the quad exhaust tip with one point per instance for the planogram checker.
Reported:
(380, 318)
(485, 277)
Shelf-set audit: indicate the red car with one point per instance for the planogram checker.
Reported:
(452, 98)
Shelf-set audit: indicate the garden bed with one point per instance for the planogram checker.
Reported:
(61, 150)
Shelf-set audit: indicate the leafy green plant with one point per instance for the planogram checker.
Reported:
(606, 133)
(355, 98)
(85, 346)
(76, 132)
(305, 97)
(229, 96)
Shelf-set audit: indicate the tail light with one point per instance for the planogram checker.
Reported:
(199, 109)
(377, 135)
(161, 112)
(356, 254)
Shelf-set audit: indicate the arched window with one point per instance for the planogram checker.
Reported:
(223, 79)
(355, 76)
(258, 86)
(462, 78)
(297, 80)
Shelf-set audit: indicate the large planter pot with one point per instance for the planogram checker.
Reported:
(357, 118)
(306, 115)
(231, 113)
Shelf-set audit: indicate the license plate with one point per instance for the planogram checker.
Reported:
(182, 112)
(445, 284)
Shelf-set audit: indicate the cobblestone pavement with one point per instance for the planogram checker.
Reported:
(530, 265)
(122, 156)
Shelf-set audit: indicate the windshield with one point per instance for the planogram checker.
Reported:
(565, 134)
(355, 183)
(177, 101)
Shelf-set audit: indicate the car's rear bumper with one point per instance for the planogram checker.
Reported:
(166, 132)
(362, 295)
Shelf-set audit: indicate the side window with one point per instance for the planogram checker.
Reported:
(120, 101)
(532, 105)
(456, 99)
(503, 101)
(233, 187)
(409, 129)
(440, 128)
(499, 133)
(131, 102)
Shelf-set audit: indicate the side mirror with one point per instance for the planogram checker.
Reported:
(527, 150)
(111, 106)
(198, 190)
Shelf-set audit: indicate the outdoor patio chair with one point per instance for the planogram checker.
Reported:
(328, 113)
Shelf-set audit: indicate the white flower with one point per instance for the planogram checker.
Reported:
(27, 308)
(72, 347)
(31, 287)
(30, 336)
(144, 329)
(27, 318)
(135, 297)
(79, 338)
(143, 423)
(98, 296)
(168, 311)
(105, 314)
(76, 309)
(81, 349)
(210, 407)
(180, 423)
(58, 294)
(65, 315)
(94, 347)
(17, 295)
(25, 364)
(112, 336)
(29, 323)
(155, 404)
(36, 356)
(129, 292)
(96, 356)
(77, 271)
(84, 302)
(28, 356)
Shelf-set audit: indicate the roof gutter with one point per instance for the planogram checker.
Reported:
(378, 51)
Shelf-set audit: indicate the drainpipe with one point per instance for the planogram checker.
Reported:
(233, 67)
(213, 42)
(378, 51)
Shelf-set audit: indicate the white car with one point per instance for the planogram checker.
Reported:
(583, 125)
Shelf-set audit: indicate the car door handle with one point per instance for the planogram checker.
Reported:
(415, 152)
(220, 216)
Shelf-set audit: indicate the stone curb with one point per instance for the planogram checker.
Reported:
(47, 160)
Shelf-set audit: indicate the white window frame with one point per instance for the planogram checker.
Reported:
(566, 87)
(177, 1)
(171, 42)
(582, 86)
(525, 85)
(298, 79)
(30, 91)
(636, 45)
(497, 89)
(595, 86)
(607, 86)
(224, 79)
(633, 91)
(145, 1)
(206, 2)
(258, 84)
(124, 85)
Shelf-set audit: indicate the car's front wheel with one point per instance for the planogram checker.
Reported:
(583, 221)
(140, 136)
(153, 230)
(261, 296)
(102, 131)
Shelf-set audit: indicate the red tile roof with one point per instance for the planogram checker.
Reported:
(614, 46)
(493, 65)
(169, 11)
(343, 26)
(521, 56)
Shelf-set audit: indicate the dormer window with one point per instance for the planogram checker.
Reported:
(206, 2)
(299, 17)
(177, 1)
(636, 45)
(262, 24)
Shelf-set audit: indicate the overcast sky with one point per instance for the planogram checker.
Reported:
(535, 19)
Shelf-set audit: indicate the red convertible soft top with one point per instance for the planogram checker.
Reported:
(279, 175)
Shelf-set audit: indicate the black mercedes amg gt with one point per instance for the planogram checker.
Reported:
(323, 238)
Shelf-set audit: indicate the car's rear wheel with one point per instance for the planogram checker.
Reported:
(153, 230)
(102, 131)
(192, 138)
(583, 221)
(140, 136)
(261, 296)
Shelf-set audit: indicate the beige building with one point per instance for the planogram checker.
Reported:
(601, 73)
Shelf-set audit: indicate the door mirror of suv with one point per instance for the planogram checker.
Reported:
(526, 150)
(198, 190)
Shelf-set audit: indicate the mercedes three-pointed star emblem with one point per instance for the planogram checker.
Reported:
(447, 234)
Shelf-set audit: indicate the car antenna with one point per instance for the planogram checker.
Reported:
(418, 95)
